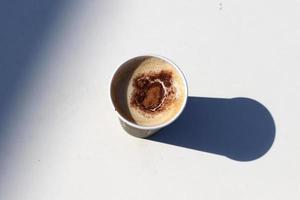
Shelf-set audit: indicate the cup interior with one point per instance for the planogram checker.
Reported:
(119, 85)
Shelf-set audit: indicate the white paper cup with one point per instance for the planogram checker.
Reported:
(118, 95)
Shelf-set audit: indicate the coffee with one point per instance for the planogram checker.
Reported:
(156, 92)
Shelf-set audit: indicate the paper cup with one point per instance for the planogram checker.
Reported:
(118, 95)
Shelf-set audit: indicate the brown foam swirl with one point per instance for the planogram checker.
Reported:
(153, 92)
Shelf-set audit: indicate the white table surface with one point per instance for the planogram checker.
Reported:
(65, 141)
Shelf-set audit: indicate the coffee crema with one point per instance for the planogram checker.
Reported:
(155, 93)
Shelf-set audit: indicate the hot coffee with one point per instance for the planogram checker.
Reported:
(156, 92)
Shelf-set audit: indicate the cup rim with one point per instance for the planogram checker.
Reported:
(175, 116)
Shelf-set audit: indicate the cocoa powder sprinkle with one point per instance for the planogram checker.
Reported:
(153, 91)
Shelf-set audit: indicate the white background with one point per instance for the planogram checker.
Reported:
(65, 139)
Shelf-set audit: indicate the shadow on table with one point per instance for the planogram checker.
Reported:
(24, 30)
(240, 128)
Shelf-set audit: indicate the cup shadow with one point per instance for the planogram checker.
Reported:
(241, 129)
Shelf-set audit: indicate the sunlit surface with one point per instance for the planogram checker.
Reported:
(60, 138)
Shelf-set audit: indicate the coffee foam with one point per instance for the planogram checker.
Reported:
(156, 92)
